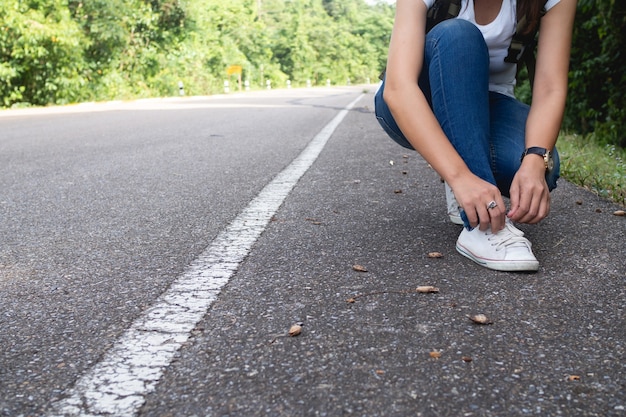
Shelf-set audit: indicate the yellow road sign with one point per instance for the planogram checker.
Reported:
(234, 69)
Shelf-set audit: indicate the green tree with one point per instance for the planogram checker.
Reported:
(56, 51)
(597, 102)
(41, 53)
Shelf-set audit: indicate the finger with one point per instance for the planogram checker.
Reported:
(519, 211)
(491, 215)
(466, 213)
(484, 217)
(497, 215)
(534, 213)
(472, 217)
(539, 208)
(547, 205)
(514, 201)
(542, 211)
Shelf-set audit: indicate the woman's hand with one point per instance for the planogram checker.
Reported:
(530, 197)
(475, 195)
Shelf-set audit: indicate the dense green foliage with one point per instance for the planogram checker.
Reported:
(62, 51)
(41, 53)
(597, 102)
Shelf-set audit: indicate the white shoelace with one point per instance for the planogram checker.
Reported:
(509, 237)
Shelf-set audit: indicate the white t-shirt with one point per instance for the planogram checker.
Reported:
(498, 35)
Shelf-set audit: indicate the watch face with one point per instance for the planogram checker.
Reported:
(549, 161)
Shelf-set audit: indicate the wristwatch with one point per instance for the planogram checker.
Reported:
(546, 154)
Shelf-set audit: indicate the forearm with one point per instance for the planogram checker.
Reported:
(530, 196)
(405, 99)
(545, 118)
(551, 80)
(421, 128)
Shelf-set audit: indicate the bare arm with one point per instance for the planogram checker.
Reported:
(415, 118)
(530, 198)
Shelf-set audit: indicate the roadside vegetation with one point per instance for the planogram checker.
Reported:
(599, 168)
(69, 51)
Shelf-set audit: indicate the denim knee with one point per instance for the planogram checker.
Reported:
(458, 34)
(386, 120)
(451, 37)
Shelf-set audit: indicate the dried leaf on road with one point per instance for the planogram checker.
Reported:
(295, 330)
(435, 255)
(435, 354)
(573, 378)
(359, 268)
(620, 213)
(397, 191)
(480, 319)
(421, 289)
(467, 359)
(427, 289)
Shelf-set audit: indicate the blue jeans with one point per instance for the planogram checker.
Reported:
(486, 128)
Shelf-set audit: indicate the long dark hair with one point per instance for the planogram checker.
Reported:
(532, 9)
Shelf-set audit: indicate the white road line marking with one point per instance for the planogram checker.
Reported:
(118, 384)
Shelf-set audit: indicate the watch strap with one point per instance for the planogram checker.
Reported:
(536, 150)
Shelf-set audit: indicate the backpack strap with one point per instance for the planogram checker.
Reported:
(442, 10)
(522, 47)
(519, 42)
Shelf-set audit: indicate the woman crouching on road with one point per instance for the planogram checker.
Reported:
(449, 95)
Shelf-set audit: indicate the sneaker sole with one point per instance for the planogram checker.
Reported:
(506, 266)
(456, 219)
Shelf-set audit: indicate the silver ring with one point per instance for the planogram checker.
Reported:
(491, 205)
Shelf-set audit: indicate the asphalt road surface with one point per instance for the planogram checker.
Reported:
(154, 256)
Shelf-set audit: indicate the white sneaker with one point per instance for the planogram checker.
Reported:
(507, 250)
(453, 207)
